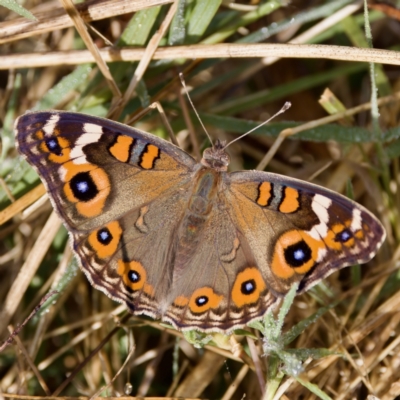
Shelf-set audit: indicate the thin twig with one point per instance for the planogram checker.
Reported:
(32, 314)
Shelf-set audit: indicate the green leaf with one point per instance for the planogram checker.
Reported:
(70, 273)
(197, 339)
(285, 307)
(246, 19)
(316, 354)
(314, 389)
(322, 133)
(139, 27)
(177, 30)
(292, 364)
(14, 6)
(64, 87)
(299, 328)
(312, 14)
(393, 150)
(19, 176)
(202, 14)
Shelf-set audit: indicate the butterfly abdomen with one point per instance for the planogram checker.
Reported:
(198, 210)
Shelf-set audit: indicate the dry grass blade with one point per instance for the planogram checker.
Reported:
(29, 269)
(144, 62)
(205, 51)
(20, 204)
(56, 18)
(84, 34)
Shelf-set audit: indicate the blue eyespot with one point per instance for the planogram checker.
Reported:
(248, 287)
(297, 254)
(134, 276)
(202, 300)
(53, 146)
(83, 186)
(104, 236)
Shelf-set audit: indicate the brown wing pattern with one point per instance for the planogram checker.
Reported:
(299, 231)
(185, 242)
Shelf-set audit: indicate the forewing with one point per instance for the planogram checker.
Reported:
(96, 170)
(120, 193)
(300, 232)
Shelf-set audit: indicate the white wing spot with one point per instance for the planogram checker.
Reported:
(356, 223)
(320, 205)
(62, 173)
(48, 128)
(321, 255)
(92, 134)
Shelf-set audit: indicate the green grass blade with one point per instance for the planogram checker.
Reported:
(14, 6)
(177, 30)
(300, 327)
(314, 389)
(261, 97)
(304, 17)
(202, 14)
(246, 19)
(64, 87)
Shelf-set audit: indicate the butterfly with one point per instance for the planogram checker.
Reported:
(183, 241)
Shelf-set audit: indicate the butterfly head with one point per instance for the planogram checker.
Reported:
(216, 157)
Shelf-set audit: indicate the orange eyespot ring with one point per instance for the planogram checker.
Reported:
(248, 286)
(204, 299)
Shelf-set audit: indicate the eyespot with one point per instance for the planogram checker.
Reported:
(296, 252)
(53, 146)
(204, 299)
(134, 276)
(105, 241)
(248, 287)
(83, 187)
(87, 185)
(57, 147)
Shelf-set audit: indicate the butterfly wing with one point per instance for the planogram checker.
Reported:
(208, 293)
(300, 232)
(120, 193)
(95, 169)
(266, 232)
(124, 196)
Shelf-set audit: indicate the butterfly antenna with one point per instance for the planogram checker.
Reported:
(285, 107)
(194, 109)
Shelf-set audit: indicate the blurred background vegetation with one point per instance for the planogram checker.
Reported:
(80, 340)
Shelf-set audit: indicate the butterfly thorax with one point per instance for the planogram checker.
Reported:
(216, 157)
